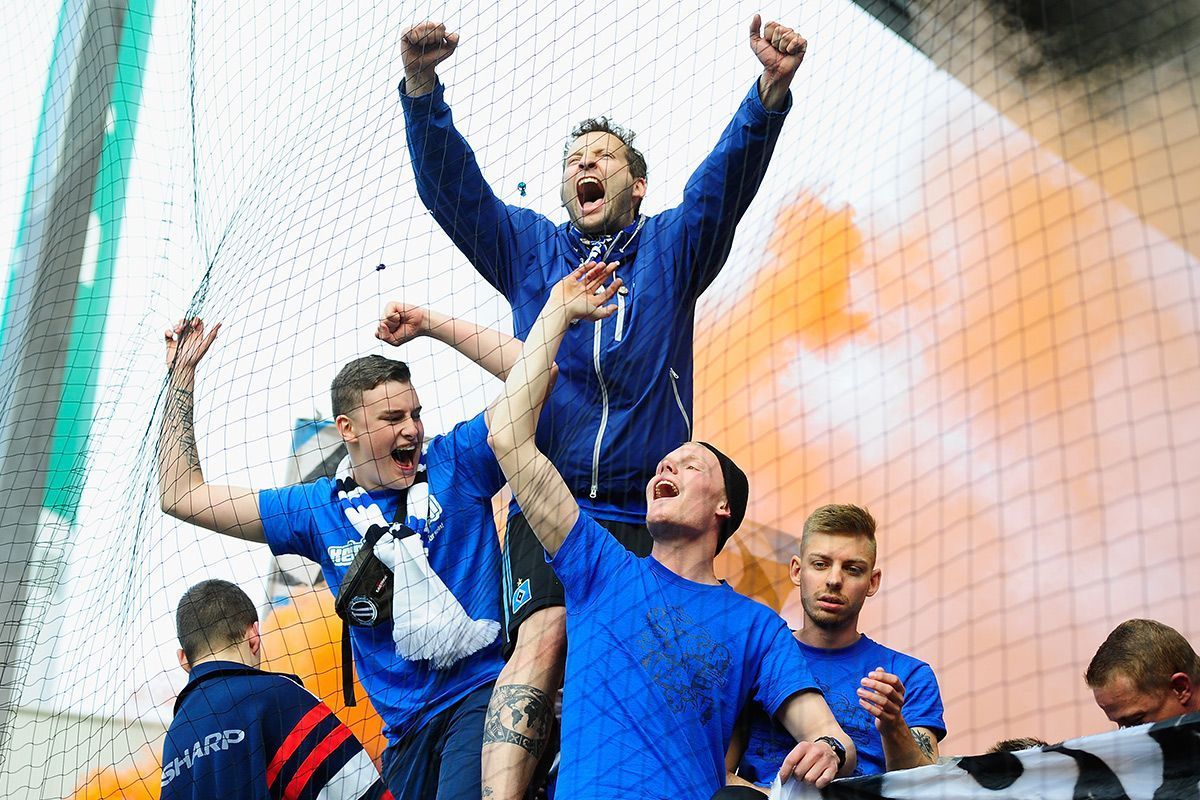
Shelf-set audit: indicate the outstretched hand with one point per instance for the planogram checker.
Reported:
(401, 323)
(583, 295)
(187, 343)
(780, 50)
(422, 48)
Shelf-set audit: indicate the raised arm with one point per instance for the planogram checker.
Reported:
(807, 717)
(183, 492)
(491, 349)
(490, 233)
(723, 186)
(512, 420)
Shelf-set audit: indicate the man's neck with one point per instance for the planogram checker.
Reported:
(686, 560)
(828, 638)
(235, 655)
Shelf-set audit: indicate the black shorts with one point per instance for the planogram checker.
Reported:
(530, 583)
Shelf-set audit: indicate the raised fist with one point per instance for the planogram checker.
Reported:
(423, 47)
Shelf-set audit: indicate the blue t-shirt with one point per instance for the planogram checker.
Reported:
(459, 535)
(658, 668)
(838, 673)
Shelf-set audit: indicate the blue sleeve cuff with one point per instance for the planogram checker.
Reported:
(435, 99)
(574, 540)
(781, 699)
(274, 522)
(754, 102)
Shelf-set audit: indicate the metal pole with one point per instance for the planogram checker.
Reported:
(42, 296)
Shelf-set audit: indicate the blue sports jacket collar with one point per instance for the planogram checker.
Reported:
(620, 246)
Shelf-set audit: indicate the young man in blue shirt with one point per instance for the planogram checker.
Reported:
(430, 670)
(888, 702)
(663, 655)
(624, 395)
(243, 734)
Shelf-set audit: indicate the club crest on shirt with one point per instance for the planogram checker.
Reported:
(424, 513)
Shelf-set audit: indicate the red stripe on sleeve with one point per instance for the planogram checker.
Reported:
(309, 721)
(318, 755)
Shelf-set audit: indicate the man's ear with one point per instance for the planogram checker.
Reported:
(794, 567)
(345, 427)
(638, 190)
(1182, 686)
(876, 575)
(183, 662)
(254, 639)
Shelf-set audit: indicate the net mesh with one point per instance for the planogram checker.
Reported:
(964, 296)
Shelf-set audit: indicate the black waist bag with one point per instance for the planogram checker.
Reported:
(365, 599)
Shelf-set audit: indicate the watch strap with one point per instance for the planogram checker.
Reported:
(838, 748)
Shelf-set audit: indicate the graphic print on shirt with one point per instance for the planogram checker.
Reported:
(684, 660)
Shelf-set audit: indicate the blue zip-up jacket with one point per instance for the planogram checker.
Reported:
(243, 734)
(623, 398)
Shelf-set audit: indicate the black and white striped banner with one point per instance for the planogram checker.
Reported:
(1158, 761)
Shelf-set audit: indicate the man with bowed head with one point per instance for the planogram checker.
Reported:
(1144, 671)
(663, 655)
(623, 399)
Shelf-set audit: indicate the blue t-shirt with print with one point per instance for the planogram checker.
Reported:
(658, 668)
(459, 537)
(838, 673)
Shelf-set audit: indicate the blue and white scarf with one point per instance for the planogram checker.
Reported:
(428, 622)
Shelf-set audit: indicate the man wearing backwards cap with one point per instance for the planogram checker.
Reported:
(662, 655)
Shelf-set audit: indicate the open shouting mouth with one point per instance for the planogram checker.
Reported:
(589, 192)
(664, 488)
(405, 458)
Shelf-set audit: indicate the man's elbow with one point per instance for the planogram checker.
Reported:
(172, 507)
(851, 757)
(502, 443)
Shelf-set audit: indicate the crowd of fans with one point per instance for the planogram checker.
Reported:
(673, 684)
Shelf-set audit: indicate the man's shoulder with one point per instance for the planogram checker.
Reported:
(317, 491)
(755, 610)
(237, 681)
(900, 661)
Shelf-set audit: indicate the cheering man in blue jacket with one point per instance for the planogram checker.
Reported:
(624, 394)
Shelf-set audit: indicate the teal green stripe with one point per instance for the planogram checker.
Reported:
(69, 447)
(60, 42)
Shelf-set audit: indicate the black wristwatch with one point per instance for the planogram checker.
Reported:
(839, 749)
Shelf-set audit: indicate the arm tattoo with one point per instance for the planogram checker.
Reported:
(184, 404)
(923, 743)
(519, 714)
